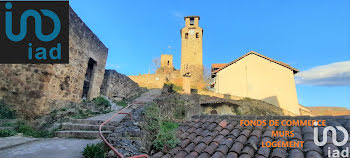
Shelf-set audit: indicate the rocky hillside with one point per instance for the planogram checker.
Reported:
(329, 111)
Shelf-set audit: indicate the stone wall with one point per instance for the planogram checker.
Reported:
(117, 86)
(36, 89)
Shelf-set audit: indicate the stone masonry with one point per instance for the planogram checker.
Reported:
(36, 89)
(117, 86)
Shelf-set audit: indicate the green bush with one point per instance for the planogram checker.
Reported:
(180, 112)
(163, 131)
(30, 131)
(6, 112)
(152, 115)
(7, 133)
(122, 103)
(100, 101)
(166, 136)
(83, 114)
(94, 151)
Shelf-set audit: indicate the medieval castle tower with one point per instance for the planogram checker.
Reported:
(190, 74)
(191, 50)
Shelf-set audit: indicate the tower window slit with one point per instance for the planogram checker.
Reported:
(191, 21)
(186, 35)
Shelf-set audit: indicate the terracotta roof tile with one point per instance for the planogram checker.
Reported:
(245, 132)
(174, 151)
(184, 143)
(217, 155)
(223, 124)
(313, 154)
(232, 155)
(200, 147)
(279, 153)
(236, 132)
(223, 149)
(205, 133)
(228, 142)
(207, 140)
(198, 139)
(237, 147)
(192, 155)
(295, 153)
(211, 126)
(211, 148)
(248, 150)
(204, 155)
(181, 154)
(190, 147)
(264, 151)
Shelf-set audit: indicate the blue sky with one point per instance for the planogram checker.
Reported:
(312, 36)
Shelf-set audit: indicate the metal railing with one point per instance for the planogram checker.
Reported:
(105, 140)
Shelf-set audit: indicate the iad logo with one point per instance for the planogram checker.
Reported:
(334, 153)
(23, 24)
(36, 31)
(334, 136)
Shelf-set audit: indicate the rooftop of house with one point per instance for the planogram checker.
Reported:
(262, 56)
(218, 136)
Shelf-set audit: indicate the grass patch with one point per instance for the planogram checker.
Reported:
(166, 137)
(83, 114)
(162, 130)
(180, 112)
(100, 101)
(122, 103)
(30, 131)
(95, 151)
(6, 112)
(7, 133)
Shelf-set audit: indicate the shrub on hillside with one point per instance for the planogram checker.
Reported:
(6, 112)
(94, 151)
(100, 101)
(7, 133)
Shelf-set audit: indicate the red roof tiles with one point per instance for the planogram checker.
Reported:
(222, 136)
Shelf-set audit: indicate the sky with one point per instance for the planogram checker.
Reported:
(312, 36)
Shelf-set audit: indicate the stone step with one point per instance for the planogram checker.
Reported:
(81, 134)
(7, 128)
(91, 122)
(84, 127)
(7, 121)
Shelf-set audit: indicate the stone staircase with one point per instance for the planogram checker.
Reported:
(84, 128)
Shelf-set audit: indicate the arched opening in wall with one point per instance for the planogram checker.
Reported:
(89, 76)
(213, 112)
(168, 62)
(186, 35)
(197, 35)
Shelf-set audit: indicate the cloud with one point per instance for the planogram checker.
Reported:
(334, 74)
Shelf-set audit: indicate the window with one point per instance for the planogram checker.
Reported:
(191, 21)
(186, 35)
(197, 35)
(168, 62)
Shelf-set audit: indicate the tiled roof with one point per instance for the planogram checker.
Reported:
(213, 136)
(218, 65)
(262, 56)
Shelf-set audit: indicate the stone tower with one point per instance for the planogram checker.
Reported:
(166, 64)
(166, 60)
(191, 50)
